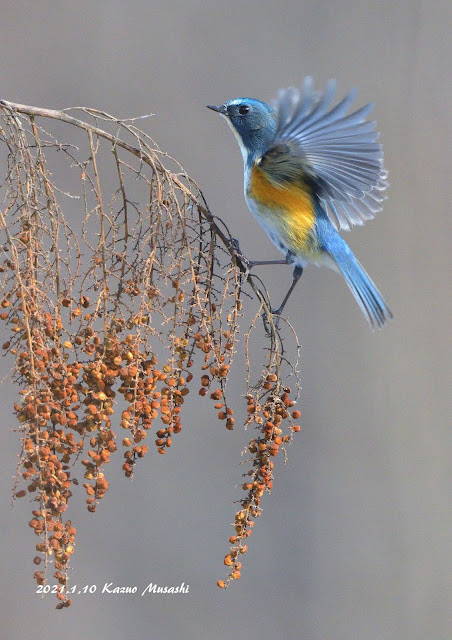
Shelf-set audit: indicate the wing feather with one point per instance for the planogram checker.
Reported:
(339, 151)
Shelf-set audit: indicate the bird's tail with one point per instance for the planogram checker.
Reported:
(366, 293)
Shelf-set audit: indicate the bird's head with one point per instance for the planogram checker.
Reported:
(253, 123)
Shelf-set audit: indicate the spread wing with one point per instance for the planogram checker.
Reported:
(339, 151)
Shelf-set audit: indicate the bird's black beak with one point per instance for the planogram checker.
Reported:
(221, 109)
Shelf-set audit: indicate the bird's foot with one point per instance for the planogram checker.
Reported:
(275, 315)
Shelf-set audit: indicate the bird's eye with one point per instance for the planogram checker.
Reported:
(243, 109)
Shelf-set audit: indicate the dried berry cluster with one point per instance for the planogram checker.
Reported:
(68, 406)
(70, 390)
(268, 412)
(50, 398)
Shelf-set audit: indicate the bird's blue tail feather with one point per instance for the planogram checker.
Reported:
(366, 293)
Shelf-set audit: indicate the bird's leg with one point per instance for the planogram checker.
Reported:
(258, 263)
(296, 276)
(287, 260)
(255, 263)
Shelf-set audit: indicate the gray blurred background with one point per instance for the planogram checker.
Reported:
(353, 542)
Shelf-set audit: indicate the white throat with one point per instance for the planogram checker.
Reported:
(243, 149)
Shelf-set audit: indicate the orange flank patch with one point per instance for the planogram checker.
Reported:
(285, 209)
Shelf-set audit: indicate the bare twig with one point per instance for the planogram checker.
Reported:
(114, 312)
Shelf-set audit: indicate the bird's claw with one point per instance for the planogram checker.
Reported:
(247, 264)
(235, 246)
(277, 316)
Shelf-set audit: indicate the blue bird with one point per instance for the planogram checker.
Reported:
(310, 170)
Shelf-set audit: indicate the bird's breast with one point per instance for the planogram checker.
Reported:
(285, 210)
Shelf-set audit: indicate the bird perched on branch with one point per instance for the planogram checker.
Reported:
(309, 170)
